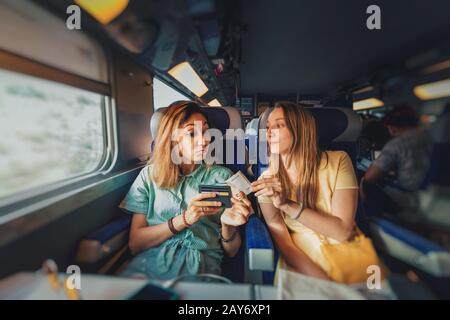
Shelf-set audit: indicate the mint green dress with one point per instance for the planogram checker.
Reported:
(194, 250)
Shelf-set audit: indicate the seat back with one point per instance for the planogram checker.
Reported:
(338, 129)
(412, 248)
(438, 173)
(256, 143)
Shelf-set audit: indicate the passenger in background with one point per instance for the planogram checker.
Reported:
(306, 195)
(400, 169)
(174, 231)
(374, 134)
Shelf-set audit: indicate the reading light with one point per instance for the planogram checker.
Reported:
(367, 104)
(214, 103)
(103, 11)
(365, 89)
(186, 75)
(437, 67)
(433, 90)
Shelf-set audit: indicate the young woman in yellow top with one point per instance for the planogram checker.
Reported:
(307, 194)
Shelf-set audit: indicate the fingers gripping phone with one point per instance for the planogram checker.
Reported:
(223, 193)
(238, 182)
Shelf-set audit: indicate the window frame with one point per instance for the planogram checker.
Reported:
(19, 64)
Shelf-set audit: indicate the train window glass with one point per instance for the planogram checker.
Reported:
(29, 31)
(163, 95)
(49, 132)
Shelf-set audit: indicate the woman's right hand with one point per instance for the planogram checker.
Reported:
(270, 186)
(198, 208)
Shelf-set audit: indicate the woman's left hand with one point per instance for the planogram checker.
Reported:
(238, 214)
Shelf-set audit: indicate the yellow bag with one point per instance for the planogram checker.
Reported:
(349, 261)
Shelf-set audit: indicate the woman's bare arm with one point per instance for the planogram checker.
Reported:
(232, 247)
(293, 256)
(231, 219)
(339, 224)
(143, 236)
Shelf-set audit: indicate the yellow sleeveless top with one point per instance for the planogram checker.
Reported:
(334, 174)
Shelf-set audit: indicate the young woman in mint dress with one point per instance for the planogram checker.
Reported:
(174, 231)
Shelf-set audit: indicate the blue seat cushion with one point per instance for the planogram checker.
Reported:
(419, 243)
(110, 230)
(257, 235)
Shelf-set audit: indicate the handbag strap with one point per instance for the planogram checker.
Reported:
(355, 234)
(322, 238)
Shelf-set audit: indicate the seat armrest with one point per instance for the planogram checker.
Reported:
(104, 242)
(413, 249)
(259, 246)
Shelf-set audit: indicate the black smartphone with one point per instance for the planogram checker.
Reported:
(223, 192)
(153, 292)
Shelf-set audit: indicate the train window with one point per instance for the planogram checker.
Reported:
(49, 132)
(163, 95)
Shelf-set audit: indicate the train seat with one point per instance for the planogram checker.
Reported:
(438, 173)
(104, 250)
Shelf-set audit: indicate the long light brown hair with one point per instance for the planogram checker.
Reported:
(165, 173)
(304, 153)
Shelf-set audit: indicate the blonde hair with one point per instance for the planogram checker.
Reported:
(165, 173)
(304, 153)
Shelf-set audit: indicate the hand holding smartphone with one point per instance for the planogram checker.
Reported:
(234, 185)
(222, 191)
